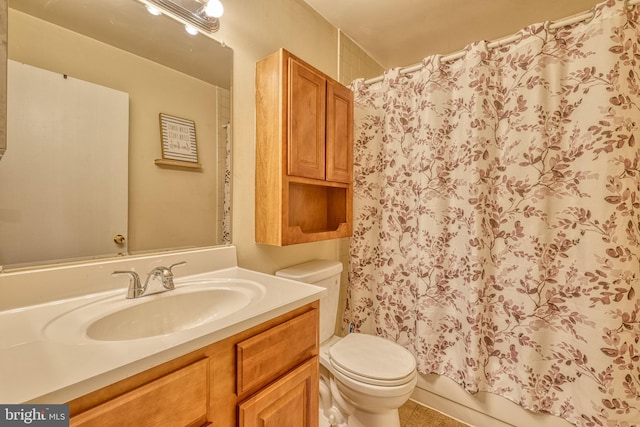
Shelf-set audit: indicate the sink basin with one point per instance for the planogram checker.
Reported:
(190, 305)
(167, 314)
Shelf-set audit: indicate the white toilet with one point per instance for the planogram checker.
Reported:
(364, 379)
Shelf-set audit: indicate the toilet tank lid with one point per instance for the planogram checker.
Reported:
(312, 271)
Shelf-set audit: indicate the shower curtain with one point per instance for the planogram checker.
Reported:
(497, 217)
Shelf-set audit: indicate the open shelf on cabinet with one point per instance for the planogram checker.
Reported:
(316, 208)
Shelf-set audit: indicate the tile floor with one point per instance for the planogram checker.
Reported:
(413, 414)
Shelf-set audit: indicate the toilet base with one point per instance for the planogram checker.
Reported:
(381, 419)
(325, 422)
(357, 417)
(362, 419)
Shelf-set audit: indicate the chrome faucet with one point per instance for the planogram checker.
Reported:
(163, 274)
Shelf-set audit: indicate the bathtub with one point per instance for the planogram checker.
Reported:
(480, 410)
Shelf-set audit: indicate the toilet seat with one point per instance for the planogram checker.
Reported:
(372, 360)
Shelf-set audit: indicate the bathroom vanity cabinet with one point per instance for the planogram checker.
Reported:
(304, 153)
(266, 375)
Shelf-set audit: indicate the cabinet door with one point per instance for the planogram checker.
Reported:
(306, 132)
(339, 129)
(292, 401)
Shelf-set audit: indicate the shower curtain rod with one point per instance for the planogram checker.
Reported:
(514, 38)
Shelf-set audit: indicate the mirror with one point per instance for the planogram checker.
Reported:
(119, 45)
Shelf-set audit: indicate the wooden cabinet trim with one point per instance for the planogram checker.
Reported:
(271, 125)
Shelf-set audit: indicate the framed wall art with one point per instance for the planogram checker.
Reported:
(179, 144)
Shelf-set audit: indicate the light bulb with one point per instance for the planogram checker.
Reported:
(214, 8)
(190, 29)
(153, 10)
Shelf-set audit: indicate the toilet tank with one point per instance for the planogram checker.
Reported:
(325, 273)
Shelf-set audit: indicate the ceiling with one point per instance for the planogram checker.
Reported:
(400, 33)
(395, 33)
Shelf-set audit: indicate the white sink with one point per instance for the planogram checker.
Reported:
(190, 305)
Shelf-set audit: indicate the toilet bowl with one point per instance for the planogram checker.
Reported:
(370, 378)
(364, 379)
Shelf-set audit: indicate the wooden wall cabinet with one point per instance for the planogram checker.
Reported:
(264, 376)
(304, 153)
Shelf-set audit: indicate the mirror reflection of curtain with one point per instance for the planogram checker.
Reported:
(497, 217)
(226, 205)
(63, 181)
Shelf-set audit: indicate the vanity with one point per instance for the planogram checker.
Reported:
(250, 361)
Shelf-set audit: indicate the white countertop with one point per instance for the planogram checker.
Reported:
(37, 368)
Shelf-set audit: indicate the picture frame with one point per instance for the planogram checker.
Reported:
(178, 141)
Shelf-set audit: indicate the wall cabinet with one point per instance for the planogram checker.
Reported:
(264, 376)
(304, 153)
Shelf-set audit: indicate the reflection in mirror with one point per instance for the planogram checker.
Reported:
(68, 159)
(117, 47)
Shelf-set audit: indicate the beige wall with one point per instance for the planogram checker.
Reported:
(3, 75)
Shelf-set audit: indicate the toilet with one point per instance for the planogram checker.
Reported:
(364, 379)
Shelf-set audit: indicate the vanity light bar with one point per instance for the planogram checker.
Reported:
(185, 16)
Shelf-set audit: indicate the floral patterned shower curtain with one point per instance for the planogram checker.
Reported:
(497, 217)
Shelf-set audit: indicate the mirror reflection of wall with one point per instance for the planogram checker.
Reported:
(169, 208)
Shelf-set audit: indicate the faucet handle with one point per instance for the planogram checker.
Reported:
(167, 275)
(135, 289)
(177, 264)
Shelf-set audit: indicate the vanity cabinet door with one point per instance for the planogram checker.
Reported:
(292, 401)
(180, 398)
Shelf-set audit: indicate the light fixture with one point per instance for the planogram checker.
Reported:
(190, 29)
(153, 10)
(196, 15)
(213, 8)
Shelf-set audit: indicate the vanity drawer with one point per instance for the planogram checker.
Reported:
(264, 357)
(180, 398)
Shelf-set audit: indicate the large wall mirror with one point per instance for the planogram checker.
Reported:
(149, 66)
